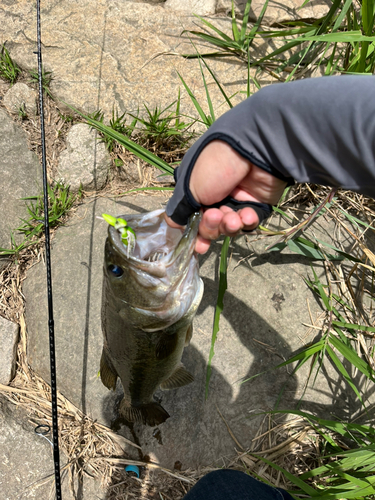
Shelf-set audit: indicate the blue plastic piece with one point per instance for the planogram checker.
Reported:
(132, 468)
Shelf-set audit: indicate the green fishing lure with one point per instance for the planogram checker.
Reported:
(127, 234)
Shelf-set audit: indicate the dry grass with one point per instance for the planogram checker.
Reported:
(11, 278)
(94, 450)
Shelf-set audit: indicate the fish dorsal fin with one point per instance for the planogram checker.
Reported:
(179, 378)
(108, 374)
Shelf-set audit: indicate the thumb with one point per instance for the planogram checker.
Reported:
(218, 170)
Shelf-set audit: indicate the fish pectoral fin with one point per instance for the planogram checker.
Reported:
(148, 414)
(108, 374)
(189, 334)
(179, 378)
(166, 345)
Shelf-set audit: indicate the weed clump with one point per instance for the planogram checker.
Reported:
(9, 70)
(46, 80)
(60, 202)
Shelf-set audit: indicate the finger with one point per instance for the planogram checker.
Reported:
(209, 227)
(170, 222)
(231, 223)
(202, 245)
(249, 218)
(234, 222)
(225, 169)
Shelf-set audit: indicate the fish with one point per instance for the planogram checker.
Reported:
(149, 299)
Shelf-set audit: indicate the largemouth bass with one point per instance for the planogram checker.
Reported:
(150, 297)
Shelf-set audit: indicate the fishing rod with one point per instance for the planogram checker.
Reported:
(51, 329)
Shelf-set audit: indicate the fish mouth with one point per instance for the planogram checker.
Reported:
(157, 244)
(188, 239)
(156, 256)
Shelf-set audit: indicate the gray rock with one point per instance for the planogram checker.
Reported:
(277, 12)
(260, 327)
(20, 96)
(26, 466)
(131, 171)
(199, 7)
(118, 54)
(123, 54)
(20, 175)
(8, 353)
(85, 160)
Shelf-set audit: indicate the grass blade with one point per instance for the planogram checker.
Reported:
(305, 354)
(352, 326)
(150, 188)
(205, 119)
(254, 29)
(209, 25)
(236, 34)
(293, 479)
(343, 371)
(218, 84)
(219, 305)
(128, 144)
(352, 357)
(208, 97)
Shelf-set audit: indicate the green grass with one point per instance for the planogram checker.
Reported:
(46, 80)
(340, 42)
(126, 142)
(118, 124)
(238, 44)
(32, 228)
(9, 70)
(60, 202)
(22, 114)
(347, 461)
(163, 128)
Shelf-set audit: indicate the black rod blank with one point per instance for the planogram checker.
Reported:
(55, 438)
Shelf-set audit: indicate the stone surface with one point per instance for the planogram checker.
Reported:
(261, 326)
(277, 12)
(26, 463)
(8, 342)
(123, 54)
(85, 160)
(199, 7)
(131, 171)
(20, 175)
(119, 54)
(20, 96)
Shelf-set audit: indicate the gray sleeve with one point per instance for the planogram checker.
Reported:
(318, 130)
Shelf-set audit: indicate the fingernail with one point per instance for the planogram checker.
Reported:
(211, 224)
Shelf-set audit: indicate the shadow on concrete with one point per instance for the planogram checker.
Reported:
(80, 491)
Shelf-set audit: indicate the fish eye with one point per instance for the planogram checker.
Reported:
(115, 270)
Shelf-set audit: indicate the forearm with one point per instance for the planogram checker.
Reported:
(319, 130)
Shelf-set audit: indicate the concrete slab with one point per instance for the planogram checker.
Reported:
(26, 465)
(8, 354)
(21, 177)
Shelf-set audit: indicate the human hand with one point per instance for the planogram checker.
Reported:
(220, 172)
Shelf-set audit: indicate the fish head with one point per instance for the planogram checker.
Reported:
(155, 284)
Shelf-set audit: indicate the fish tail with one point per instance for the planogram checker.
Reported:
(108, 374)
(148, 414)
